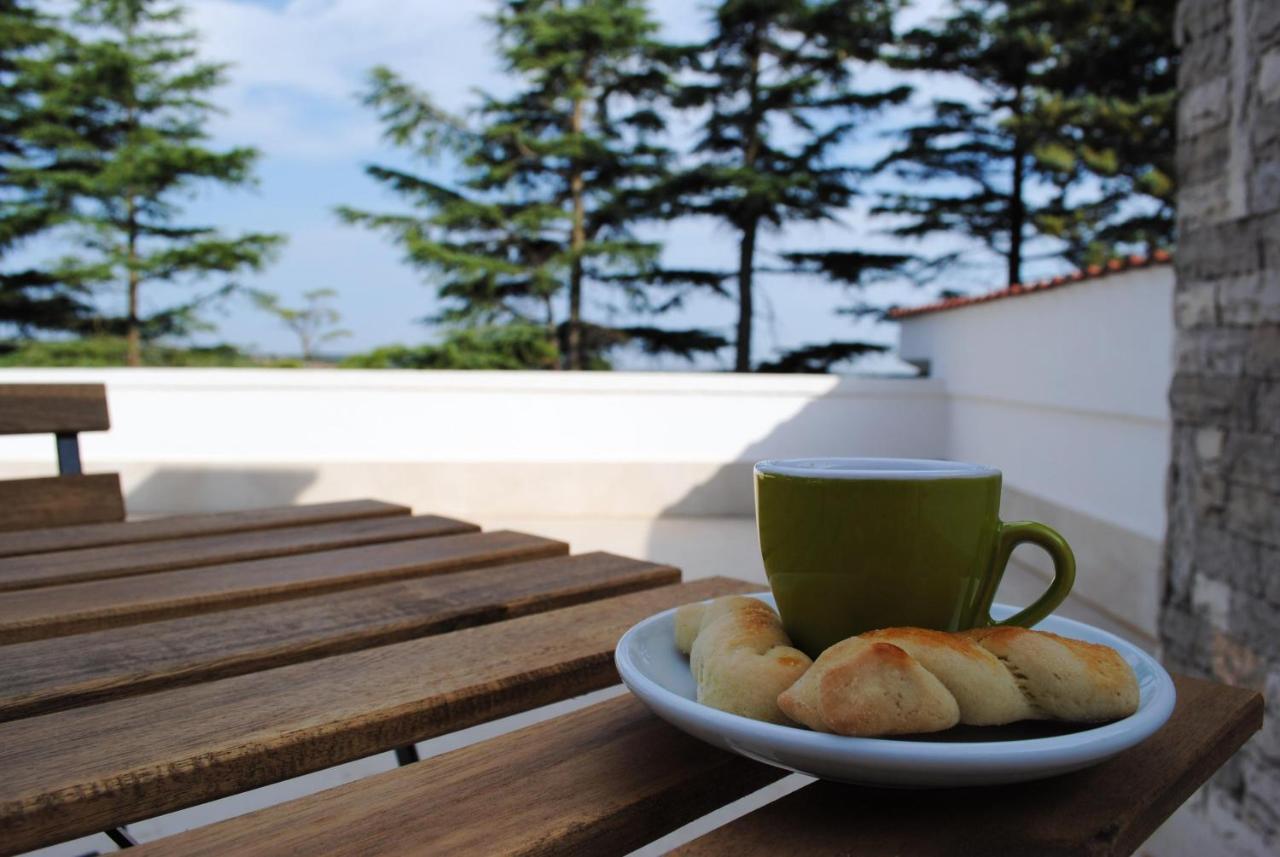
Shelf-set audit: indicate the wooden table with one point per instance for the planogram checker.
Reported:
(147, 667)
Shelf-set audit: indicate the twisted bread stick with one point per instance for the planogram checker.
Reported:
(876, 684)
(740, 656)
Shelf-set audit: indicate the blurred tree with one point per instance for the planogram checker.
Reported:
(550, 182)
(111, 350)
(774, 83)
(507, 346)
(41, 137)
(1108, 102)
(138, 80)
(314, 323)
(1070, 127)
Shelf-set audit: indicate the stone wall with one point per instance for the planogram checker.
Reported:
(1221, 606)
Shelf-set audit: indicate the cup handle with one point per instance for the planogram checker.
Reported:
(1064, 567)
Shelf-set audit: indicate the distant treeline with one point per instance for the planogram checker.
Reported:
(1059, 144)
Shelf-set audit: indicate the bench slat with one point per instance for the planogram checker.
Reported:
(78, 566)
(186, 526)
(604, 780)
(54, 501)
(1108, 809)
(52, 408)
(68, 672)
(88, 769)
(51, 611)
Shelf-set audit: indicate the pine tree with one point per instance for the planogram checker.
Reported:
(1074, 124)
(776, 83)
(141, 83)
(550, 182)
(39, 136)
(1108, 100)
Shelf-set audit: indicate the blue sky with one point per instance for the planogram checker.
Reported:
(296, 68)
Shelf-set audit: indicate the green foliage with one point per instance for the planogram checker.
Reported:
(549, 181)
(775, 82)
(38, 137)
(113, 351)
(1075, 119)
(314, 323)
(138, 95)
(509, 346)
(818, 359)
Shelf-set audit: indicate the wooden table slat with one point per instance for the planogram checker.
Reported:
(100, 563)
(67, 672)
(51, 611)
(1109, 809)
(604, 780)
(87, 769)
(185, 526)
(55, 500)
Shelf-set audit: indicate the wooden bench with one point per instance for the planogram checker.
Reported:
(71, 497)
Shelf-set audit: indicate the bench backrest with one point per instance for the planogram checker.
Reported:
(63, 410)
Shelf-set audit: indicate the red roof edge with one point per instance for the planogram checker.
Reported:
(1093, 272)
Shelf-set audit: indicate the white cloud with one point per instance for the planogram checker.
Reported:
(296, 70)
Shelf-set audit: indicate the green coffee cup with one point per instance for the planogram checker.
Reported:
(852, 544)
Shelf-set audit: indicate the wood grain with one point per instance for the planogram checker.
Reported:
(51, 675)
(39, 408)
(53, 611)
(55, 501)
(87, 769)
(78, 566)
(186, 526)
(1106, 810)
(604, 780)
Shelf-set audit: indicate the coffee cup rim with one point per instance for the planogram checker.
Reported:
(873, 468)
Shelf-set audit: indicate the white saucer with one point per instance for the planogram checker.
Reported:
(655, 671)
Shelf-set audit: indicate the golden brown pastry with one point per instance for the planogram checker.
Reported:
(909, 680)
(740, 656)
(1062, 678)
(861, 687)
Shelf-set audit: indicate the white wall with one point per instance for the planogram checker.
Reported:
(506, 443)
(1066, 391)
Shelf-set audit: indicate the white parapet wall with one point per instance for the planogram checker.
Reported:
(1066, 390)
(506, 444)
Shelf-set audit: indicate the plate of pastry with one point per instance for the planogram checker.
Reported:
(898, 707)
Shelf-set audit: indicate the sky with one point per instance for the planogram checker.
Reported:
(296, 68)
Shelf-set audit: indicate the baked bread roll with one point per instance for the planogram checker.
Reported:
(739, 655)
(985, 691)
(1062, 678)
(909, 680)
(861, 687)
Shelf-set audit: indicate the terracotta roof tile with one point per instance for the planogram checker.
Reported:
(1092, 272)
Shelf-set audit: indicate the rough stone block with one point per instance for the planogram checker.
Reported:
(1252, 459)
(1267, 228)
(1200, 158)
(1267, 407)
(1212, 599)
(1264, 180)
(1262, 357)
(1230, 558)
(1209, 443)
(1199, 401)
(1222, 250)
(1195, 305)
(1256, 625)
(1204, 106)
(1251, 512)
(1248, 299)
(1199, 18)
(1269, 574)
